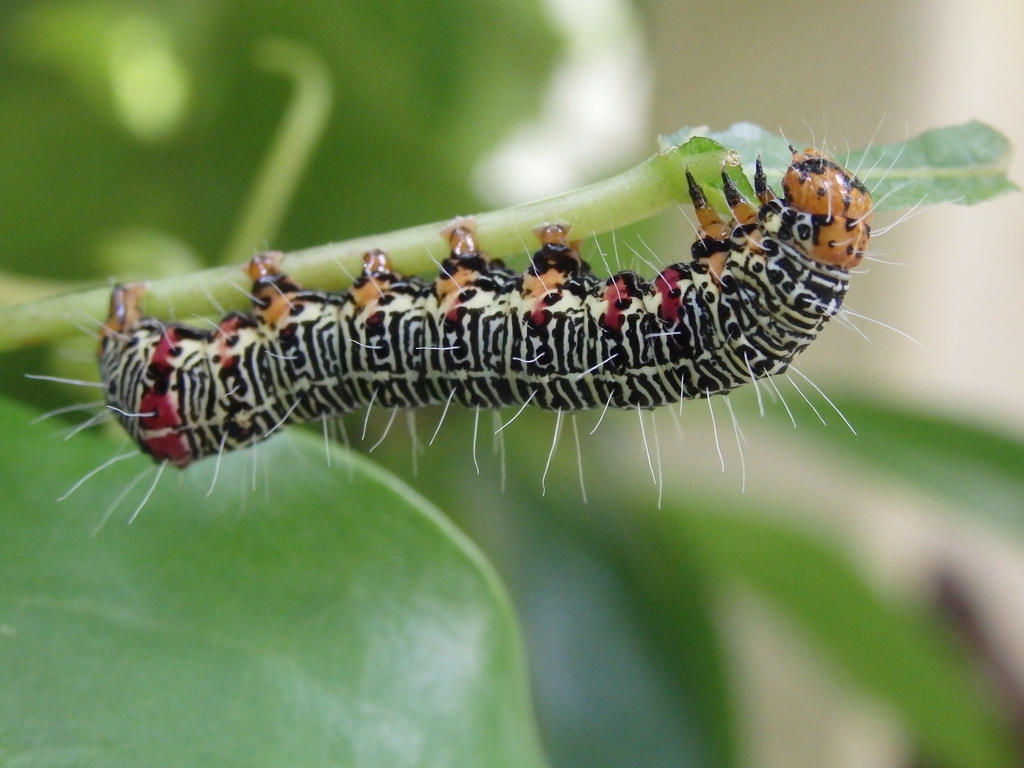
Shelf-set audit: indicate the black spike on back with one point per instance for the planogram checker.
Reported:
(760, 180)
(696, 193)
(732, 195)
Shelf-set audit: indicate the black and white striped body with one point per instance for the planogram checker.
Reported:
(556, 336)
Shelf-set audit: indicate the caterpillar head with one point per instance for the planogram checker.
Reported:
(839, 205)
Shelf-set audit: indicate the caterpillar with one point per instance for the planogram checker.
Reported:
(756, 291)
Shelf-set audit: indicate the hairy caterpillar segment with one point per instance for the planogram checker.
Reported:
(756, 291)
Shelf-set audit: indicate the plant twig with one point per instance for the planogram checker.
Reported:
(632, 196)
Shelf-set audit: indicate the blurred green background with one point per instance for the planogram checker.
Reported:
(827, 600)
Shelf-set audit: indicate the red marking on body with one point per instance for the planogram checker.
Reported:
(170, 447)
(613, 294)
(166, 410)
(168, 341)
(452, 313)
(667, 283)
(167, 445)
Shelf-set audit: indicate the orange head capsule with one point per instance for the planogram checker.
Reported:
(840, 204)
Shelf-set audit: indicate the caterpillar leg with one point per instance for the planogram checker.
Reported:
(273, 292)
(264, 265)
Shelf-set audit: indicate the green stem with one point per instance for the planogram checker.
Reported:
(297, 137)
(632, 196)
(17, 289)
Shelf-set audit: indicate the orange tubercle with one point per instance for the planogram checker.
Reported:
(275, 305)
(376, 279)
(124, 306)
(124, 309)
(553, 234)
(264, 264)
(461, 236)
(541, 279)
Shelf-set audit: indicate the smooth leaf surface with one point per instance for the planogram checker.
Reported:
(975, 468)
(328, 617)
(964, 164)
(886, 649)
(675, 597)
(627, 662)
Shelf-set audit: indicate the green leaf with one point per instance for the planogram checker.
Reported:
(964, 164)
(749, 141)
(888, 650)
(974, 468)
(627, 660)
(957, 164)
(327, 617)
(650, 681)
(675, 598)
